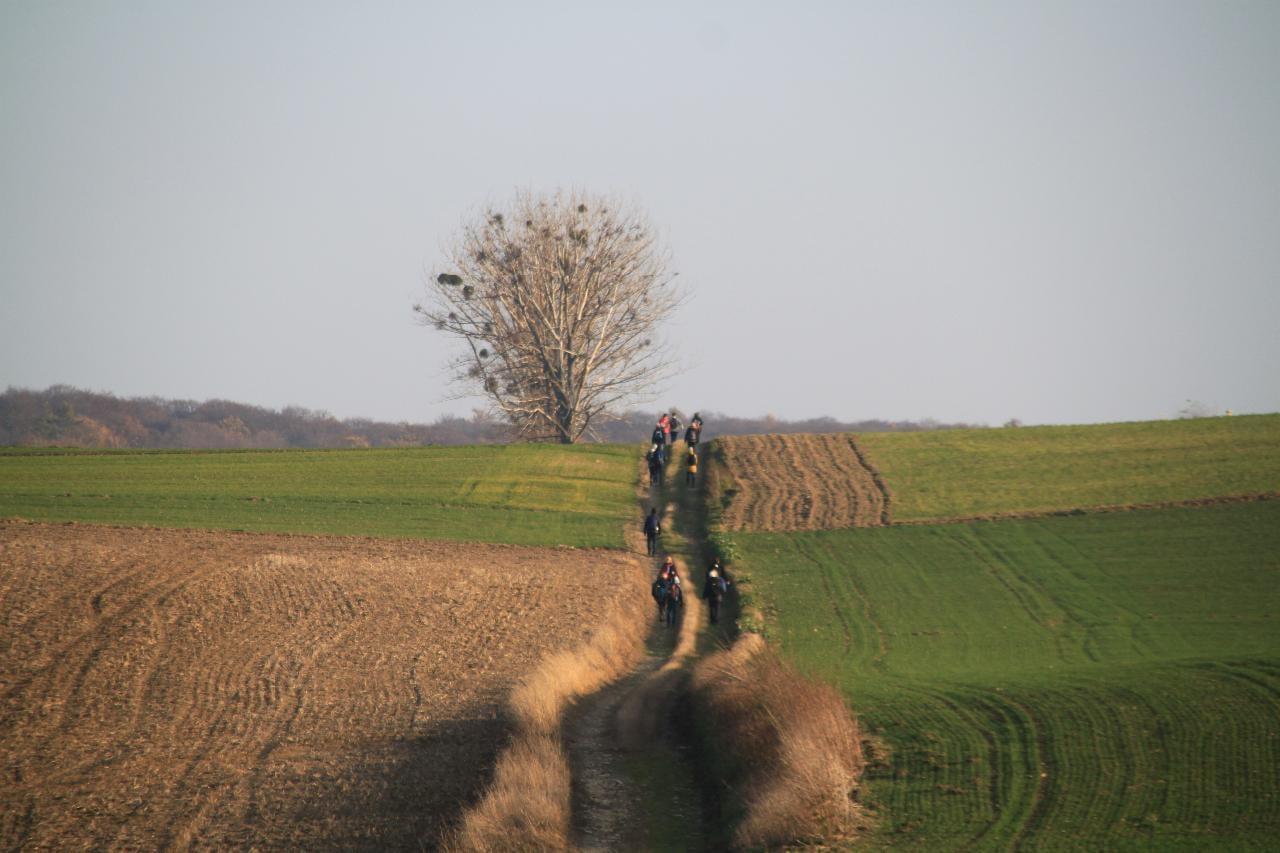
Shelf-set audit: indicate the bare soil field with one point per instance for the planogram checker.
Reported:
(164, 688)
(801, 482)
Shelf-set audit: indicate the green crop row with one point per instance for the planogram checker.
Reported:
(524, 494)
(1101, 681)
(976, 472)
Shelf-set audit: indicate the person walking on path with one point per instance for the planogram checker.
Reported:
(691, 436)
(714, 589)
(652, 530)
(675, 427)
(659, 592)
(691, 460)
(654, 456)
(659, 442)
(675, 599)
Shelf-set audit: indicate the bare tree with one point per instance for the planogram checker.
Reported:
(557, 300)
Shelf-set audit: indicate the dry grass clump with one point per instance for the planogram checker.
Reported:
(799, 784)
(527, 806)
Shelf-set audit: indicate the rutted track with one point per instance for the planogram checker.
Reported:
(802, 482)
(162, 688)
(632, 715)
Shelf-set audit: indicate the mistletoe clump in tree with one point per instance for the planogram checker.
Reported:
(557, 300)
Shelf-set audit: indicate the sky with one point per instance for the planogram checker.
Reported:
(1061, 212)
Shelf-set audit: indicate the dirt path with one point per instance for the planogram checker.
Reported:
(632, 787)
(605, 798)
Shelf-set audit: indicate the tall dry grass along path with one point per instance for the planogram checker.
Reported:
(712, 743)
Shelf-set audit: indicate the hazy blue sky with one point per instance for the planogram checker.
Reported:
(1062, 212)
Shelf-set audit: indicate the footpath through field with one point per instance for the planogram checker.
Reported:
(634, 785)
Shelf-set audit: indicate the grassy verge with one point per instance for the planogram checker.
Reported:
(519, 494)
(963, 473)
(1090, 682)
(785, 746)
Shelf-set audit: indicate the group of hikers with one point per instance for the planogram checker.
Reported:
(665, 434)
(668, 589)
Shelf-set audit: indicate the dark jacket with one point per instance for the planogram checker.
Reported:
(651, 524)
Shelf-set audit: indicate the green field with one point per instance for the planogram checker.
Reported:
(976, 472)
(522, 494)
(1093, 682)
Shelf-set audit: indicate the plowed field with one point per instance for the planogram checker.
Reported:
(800, 482)
(234, 690)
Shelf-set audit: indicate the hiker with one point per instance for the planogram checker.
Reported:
(714, 589)
(664, 424)
(668, 569)
(675, 428)
(691, 436)
(659, 442)
(691, 460)
(652, 529)
(675, 598)
(659, 592)
(655, 466)
(696, 424)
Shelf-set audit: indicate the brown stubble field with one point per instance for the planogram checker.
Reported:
(163, 688)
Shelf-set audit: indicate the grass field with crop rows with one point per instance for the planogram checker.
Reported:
(975, 472)
(1088, 682)
(520, 494)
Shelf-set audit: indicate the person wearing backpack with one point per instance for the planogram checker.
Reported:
(691, 460)
(659, 592)
(654, 460)
(675, 428)
(652, 530)
(675, 599)
(659, 441)
(714, 589)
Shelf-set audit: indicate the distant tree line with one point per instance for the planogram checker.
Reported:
(64, 416)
